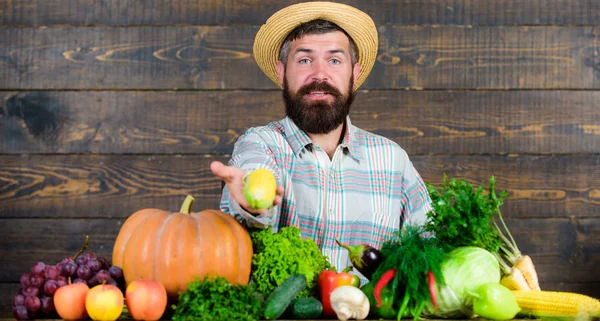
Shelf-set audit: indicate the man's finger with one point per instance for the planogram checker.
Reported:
(220, 170)
(279, 191)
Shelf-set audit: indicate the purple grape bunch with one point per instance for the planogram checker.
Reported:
(35, 297)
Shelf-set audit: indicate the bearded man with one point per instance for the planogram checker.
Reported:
(335, 181)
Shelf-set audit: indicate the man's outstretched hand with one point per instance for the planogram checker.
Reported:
(233, 178)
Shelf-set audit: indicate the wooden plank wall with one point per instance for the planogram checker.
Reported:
(107, 107)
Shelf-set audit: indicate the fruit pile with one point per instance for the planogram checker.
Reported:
(36, 295)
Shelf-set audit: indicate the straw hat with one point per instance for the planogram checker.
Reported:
(356, 23)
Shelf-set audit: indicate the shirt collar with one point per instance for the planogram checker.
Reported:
(299, 140)
(351, 140)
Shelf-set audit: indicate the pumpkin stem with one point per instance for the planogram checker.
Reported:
(186, 207)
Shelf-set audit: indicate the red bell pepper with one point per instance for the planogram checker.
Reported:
(329, 281)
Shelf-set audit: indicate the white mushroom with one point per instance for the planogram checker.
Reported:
(349, 302)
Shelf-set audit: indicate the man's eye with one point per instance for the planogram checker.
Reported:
(335, 61)
(304, 61)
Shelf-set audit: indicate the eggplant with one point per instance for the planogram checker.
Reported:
(364, 258)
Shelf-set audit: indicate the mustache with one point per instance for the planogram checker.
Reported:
(319, 86)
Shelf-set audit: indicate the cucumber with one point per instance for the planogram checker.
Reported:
(305, 308)
(283, 295)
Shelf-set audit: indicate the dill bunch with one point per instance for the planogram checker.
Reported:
(413, 256)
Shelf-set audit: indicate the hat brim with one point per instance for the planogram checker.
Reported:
(357, 24)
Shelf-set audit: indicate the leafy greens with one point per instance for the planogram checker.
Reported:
(214, 298)
(279, 255)
(465, 216)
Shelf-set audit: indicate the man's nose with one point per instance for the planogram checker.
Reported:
(320, 71)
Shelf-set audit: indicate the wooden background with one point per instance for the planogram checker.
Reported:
(107, 107)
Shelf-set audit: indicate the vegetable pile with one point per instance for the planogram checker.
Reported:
(482, 271)
(463, 263)
(465, 216)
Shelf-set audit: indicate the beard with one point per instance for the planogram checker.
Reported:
(317, 117)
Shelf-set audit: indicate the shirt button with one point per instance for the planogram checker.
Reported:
(327, 252)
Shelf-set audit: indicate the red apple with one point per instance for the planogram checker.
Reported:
(69, 301)
(146, 299)
(104, 302)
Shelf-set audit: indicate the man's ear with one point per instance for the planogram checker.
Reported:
(280, 73)
(356, 71)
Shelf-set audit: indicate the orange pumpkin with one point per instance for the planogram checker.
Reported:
(173, 248)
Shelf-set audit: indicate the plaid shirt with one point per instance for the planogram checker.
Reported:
(363, 195)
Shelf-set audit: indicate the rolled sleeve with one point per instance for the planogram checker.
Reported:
(230, 206)
(251, 152)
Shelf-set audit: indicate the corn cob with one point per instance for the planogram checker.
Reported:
(557, 304)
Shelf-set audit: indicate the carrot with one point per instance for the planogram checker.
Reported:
(515, 281)
(514, 257)
(525, 265)
(383, 281)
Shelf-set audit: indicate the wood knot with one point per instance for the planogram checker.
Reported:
(41, 114)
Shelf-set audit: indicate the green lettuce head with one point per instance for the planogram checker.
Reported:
(464, 270)
(279, 255)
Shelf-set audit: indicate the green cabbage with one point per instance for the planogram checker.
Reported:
(464, 270)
